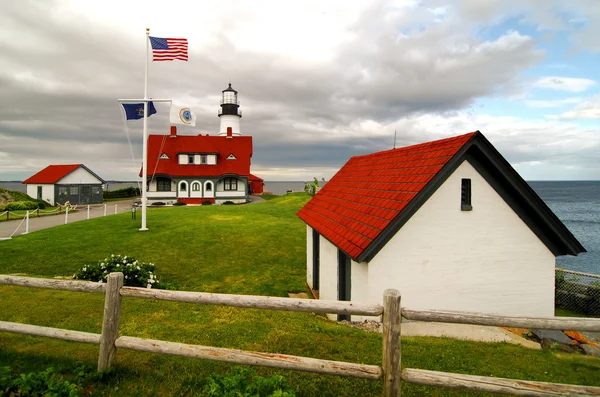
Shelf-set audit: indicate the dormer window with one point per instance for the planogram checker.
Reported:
(465, 195)
(164, 156)
(231, 157)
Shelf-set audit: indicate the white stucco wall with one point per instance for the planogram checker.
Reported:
(47, 192)
(484, 260)
(309, 256)
(80, 175)
(328, 282)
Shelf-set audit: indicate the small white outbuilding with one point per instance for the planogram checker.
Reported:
(59, 183)
(449, 223)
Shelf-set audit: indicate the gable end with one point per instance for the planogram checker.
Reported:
(516, 192)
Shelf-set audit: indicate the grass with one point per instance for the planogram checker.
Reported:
(15, 195)
(269, 196)
(249, 249)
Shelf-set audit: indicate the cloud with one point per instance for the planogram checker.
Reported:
(551, 103)
(589, 109)
(332, 82)
(569, 84)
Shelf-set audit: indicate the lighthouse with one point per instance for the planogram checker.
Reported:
(230, 113)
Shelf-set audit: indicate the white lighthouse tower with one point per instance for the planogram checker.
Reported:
(230, 113)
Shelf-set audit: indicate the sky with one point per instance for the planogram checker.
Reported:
(318, 81)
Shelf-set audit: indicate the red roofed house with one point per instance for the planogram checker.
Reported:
(449, 223)
(74, 183)
(197, 168)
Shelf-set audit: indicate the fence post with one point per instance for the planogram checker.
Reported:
(26, 222)
(392, 319)
(66, 215)
(116, 207)
(38, 212)
(88, 214)
(104, 209)
(110, 322)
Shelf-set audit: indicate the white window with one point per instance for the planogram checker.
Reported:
(195, 187)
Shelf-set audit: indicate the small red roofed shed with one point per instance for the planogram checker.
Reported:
(59, 183)
(448, 223)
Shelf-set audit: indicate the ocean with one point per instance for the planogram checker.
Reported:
(576, 203)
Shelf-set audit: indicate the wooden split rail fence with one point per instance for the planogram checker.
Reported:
(390, 371)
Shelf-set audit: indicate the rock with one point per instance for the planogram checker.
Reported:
(552, 335)
(563, 347)
(298, 295)
(590, 350)
(591, 336)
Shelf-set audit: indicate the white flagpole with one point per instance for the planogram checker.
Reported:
(145, 145)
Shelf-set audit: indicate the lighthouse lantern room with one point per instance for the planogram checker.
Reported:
(230, 112)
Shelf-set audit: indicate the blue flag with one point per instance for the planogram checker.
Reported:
(135, 111)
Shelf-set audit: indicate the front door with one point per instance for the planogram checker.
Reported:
(344, 277)
(39, 192)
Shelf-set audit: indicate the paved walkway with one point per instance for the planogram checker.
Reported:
(44, 222)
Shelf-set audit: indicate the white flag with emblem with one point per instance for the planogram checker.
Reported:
(182, 115)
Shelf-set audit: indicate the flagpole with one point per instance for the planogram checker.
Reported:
(145, 144)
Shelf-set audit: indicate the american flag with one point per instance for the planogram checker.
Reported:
(166, 49)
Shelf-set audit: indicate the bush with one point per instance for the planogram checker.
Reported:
(21, 205)
(312, 188)
(206, 202)
(44, 383)
(136, 274)
(123, 192)
(180, 203)
(228, 202)
(241, 382)
(158, 203)
(41, 204)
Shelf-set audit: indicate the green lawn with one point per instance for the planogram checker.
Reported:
(250, 249)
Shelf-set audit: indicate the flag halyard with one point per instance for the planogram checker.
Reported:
(168, 49)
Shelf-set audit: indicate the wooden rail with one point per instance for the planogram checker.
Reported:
(562, 323)
(390, 372)
(284, 361)
(495, 385)
(256, 302)
(65, 285)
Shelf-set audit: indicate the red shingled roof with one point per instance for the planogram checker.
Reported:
(239, 146)
(52, 174)
(370, 191)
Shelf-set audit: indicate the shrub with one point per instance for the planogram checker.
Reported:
(158, 203)
(41, 204)
(21, 205)
(123, 192)
(312, 188)
(244, 382)
(44, 383)
(228, 202)
(180, 203)
(206, 202)
(136, 274)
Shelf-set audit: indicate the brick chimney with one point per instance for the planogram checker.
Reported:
(173, 131)
(229, 132)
